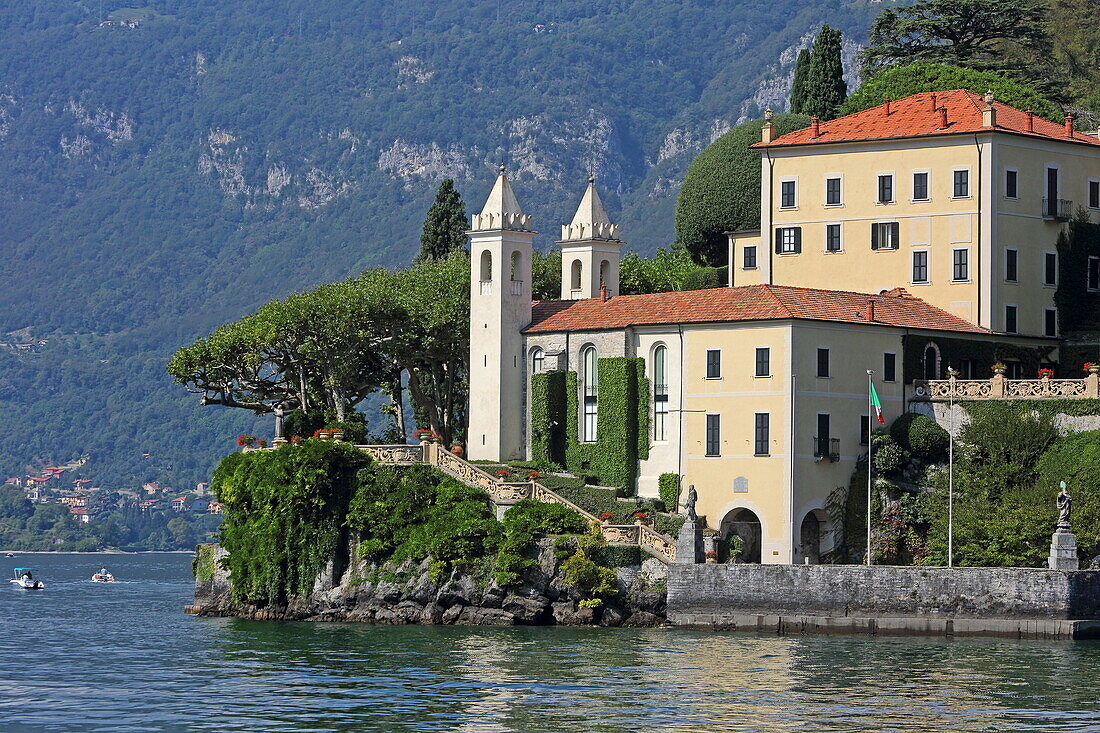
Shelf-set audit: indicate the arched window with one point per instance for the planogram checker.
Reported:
(575, 278)
(605, 272)
(516, 266)
(660, 392)
(931, 362)
(538, 359)
(486, 272)
(589, 393)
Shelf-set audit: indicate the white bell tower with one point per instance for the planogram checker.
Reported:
(590, 250)
(500, 307)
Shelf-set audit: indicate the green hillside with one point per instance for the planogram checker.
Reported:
(167, 168)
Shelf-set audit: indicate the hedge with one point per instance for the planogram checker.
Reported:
(668, 488)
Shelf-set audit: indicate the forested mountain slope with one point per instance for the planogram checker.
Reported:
(167, 168)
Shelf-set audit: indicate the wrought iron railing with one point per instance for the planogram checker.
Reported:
(1060, 209)
(827, 448)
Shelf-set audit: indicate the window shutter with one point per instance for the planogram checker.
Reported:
(797, 239)
(778, 240)
(874, 235)
(895, 235)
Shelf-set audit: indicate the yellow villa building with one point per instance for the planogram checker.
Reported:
(900, 240)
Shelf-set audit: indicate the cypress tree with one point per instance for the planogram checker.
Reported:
(445, 224)
(798, 85)
(825, 89)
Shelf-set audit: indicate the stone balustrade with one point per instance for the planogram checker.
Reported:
(1000, 388)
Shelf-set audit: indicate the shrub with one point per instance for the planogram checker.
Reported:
(590, 578)
(668, 488)
(889, 457)
(920, 435)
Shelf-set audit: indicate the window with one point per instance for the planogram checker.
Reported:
(538, 359)
(832, 237)
(885, 235)
(920, 186)
(966, 369)
(1014, 369)
(1094, 194)
(1094, 273)
(787, 197)
(1050, 209)
(864, 429)
(589, 388)
(750, 258)
(960, 184)
(761, 437)
(714, 363)
(1050, 268)
(1012, 185)
(763, 362)
(660, 393)
(920, 267)
(960, 269)
(575, 278)
(822, 439)
(1010, 319)
(931, 362)
(886, 189)
(1050, 322)
(788, 240)
(832, 192)
(823, 362)
(714, 435)
(889, 367)
(1011, 265)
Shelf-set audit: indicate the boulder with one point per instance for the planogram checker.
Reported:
(643, 619)
(526, 610)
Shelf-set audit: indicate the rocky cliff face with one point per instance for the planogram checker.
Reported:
(406, 593)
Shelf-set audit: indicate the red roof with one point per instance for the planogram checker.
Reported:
(917, 116)
(747, 303)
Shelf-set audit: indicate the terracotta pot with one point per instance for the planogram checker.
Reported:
(1000, 371)
(458, 450)
(1094, 369)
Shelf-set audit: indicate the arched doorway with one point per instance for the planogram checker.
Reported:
(811, 535)
(931, 362)
(745, 526)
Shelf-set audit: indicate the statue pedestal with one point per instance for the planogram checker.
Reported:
(1063, 551)
(689, 544)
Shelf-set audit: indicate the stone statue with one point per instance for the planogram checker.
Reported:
(1064, 503)
(693, 496)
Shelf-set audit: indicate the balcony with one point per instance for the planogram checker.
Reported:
(1000, 388)
(517, 287)
(1057, 209)
(486, 287)
(827, 448)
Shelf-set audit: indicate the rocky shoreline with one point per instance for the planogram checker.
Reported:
(406, 593)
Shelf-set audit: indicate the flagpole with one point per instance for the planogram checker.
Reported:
(870, 462)
(951, 474)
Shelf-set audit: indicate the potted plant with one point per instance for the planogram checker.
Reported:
(534, 475)
(424, 436)
(1045, 373)
(712, 557)
(1091, 368)
(606, 517)
(321, 434)
(999, 369)
(502, 474)
(246, 442)
(296, 439)
(639, 518)
(337, 434)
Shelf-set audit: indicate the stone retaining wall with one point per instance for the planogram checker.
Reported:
(860, 599)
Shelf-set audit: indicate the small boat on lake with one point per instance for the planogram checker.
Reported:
(9, 555)
(24, 578)
(103, 576)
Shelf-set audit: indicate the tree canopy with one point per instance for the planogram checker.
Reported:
(902, 81)
(445, 224)
(1006, 36)
(819, 87)
(721, 190)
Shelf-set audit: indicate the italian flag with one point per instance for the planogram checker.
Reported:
(876, 404)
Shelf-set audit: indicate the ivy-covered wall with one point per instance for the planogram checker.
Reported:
(983, 355)
(1078, 309)
(622, 422)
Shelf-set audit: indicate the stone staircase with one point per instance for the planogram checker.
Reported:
(506, 493)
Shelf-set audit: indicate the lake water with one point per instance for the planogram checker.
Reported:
(81, 656)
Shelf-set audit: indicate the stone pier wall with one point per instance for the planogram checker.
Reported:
(860, 599)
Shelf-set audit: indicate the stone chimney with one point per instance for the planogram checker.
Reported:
(815, 127)
(887, 105)
(1069, 124)
(943, 118)
(1030, 121)
(935, 102)
(603, 292)
(989, 112)
(869, 309)
(767, 133)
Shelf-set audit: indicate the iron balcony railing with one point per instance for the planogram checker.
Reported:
(827, 448)
(1060, 209)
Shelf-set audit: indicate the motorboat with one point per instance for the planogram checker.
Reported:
(103, 576)
(24, 578)
(9, 555)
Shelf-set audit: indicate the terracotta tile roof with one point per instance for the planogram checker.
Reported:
(916, 116)
(747, 303)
